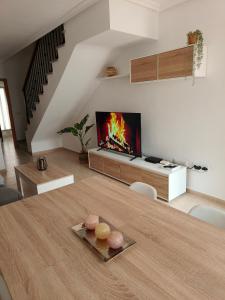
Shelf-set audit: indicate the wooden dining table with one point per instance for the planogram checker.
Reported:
(175, 256)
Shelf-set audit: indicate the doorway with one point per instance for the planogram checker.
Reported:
(7, 127)
(5, 124)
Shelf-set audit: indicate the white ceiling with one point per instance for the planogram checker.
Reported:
(158, 5)
(113, 39)
(24, 21)
(165, 4)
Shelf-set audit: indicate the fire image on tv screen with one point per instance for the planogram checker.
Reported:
(119, 132)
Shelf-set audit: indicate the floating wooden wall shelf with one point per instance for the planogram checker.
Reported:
(115, 77)
(172, 64)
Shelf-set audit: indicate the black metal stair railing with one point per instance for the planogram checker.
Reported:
(46, 52)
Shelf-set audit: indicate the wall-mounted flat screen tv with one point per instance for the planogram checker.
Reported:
(119, 132)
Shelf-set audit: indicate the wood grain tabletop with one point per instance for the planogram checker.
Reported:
(175, 257)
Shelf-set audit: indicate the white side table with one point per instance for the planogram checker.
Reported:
(42, 181)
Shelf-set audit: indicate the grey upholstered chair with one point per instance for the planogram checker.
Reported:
(2, 180)
(4, 292)
(8, 195)
(144, 189)
(209, 214)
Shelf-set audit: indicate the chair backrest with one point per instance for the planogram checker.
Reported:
(4, 292)
(145, 189)
(2, 180)
(8, 195)
(209, 214)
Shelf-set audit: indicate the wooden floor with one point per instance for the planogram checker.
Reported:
(68, 161)
(13, 158)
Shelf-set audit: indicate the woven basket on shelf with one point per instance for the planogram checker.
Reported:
(111, 71)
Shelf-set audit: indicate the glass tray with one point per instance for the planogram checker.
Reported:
(100, 247)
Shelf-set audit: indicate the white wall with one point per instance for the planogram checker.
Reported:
(90, 22)
(78, 82)
(179, 121)
(1, 71)
(132, 18)
(76, 72)
(2, 162)
(15, 70)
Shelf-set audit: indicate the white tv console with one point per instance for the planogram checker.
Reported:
(169, 183)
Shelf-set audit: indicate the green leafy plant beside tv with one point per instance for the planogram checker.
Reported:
(80, 131)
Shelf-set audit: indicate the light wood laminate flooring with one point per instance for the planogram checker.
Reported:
(69, 161)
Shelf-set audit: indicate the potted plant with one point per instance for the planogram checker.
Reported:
(192, 38)
(196, 38)
(80, 130)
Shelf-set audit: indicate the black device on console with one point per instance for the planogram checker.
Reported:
(153, 160)
(170, 166)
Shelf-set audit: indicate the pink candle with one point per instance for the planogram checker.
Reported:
(115, 240)
(91, 222)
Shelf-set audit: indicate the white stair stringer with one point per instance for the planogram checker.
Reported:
(77, 83)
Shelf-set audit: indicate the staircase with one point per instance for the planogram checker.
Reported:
(89, 47)
(45, 53)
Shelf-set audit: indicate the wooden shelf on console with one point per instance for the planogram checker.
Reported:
(169, 183)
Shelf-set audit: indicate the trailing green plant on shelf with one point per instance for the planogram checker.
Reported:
(80, 131)
(196, 38)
